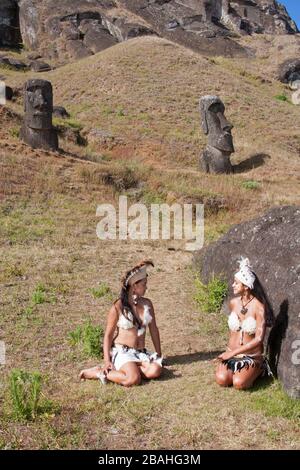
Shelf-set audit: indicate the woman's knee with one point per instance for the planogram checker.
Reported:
(223, 379)
(153, 372)
(241, 383)
(132, 379)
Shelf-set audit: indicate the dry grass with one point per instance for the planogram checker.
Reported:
(146, 93)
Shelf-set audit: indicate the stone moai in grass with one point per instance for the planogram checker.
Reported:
(216, 156)
(37, 129)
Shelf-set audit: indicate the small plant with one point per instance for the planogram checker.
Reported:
(15, 132)
(89, 338)
(28, 311)
(120, 112)
(281, 97)
(28, 401)
(150, 197)
(25, 390)
(39, 295)
(101, 291)
(210, 297)
(250, 184)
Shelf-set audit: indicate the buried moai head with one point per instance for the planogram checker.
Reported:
(38, 103)
(37, 130)
(215, 124)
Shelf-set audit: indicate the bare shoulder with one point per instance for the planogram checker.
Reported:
(259, 308)
(233, 303)
(116, 308)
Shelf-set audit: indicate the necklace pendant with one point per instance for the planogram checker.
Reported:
(244, 310)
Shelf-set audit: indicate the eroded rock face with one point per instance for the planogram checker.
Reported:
(74, 29)
(10, 35)
(71, 29)
(258, 16)
(243, 16)
(272, 243)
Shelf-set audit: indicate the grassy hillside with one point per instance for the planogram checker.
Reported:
(145, 94)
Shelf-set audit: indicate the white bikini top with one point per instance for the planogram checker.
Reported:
(246, 326)
(127, 323)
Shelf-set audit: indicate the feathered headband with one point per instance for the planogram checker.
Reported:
(137, 273)
(245, 273)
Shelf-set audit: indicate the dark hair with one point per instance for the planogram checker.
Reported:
(123, 297)
(259, 292)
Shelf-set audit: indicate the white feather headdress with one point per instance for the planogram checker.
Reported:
(245, 273)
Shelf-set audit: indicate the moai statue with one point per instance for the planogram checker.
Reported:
(37, 129)
(216, 156)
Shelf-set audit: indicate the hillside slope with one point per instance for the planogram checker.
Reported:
(144, 93)
(141, 97)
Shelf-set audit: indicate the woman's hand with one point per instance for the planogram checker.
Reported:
(108, 366)
(225, 356)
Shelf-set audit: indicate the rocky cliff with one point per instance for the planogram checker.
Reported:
(71, 29)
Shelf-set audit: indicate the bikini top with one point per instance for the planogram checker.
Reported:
(246, 326)
(127, 323)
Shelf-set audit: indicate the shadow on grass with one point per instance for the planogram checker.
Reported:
(260, 384)
(190, 358)
(252, 162)
(168, 374)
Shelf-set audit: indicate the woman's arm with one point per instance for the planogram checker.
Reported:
(154, 332)
(111, 323)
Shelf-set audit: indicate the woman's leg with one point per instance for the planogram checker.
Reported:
(150, 370)
(245, 378)
(224, 376)
(128, 375)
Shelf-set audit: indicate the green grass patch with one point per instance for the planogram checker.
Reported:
(89, 339)
(101, 291)
(69, 122)
(209, 297)
(28, 402)
(39, 296)
(251, 184)
(281, 98)
(22, 224)
(151, 197)
(15, 132)
(273, 401)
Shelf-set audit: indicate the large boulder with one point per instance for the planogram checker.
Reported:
(289, 71)
(272, 243)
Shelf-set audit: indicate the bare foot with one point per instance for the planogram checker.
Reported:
(91, 373)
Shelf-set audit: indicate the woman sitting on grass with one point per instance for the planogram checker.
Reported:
(126, 361)
(244, 362)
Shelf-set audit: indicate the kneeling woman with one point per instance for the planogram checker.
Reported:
(244, 360)
(126, 359)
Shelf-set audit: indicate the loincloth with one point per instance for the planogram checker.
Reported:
(121, 354)
(237, 363)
